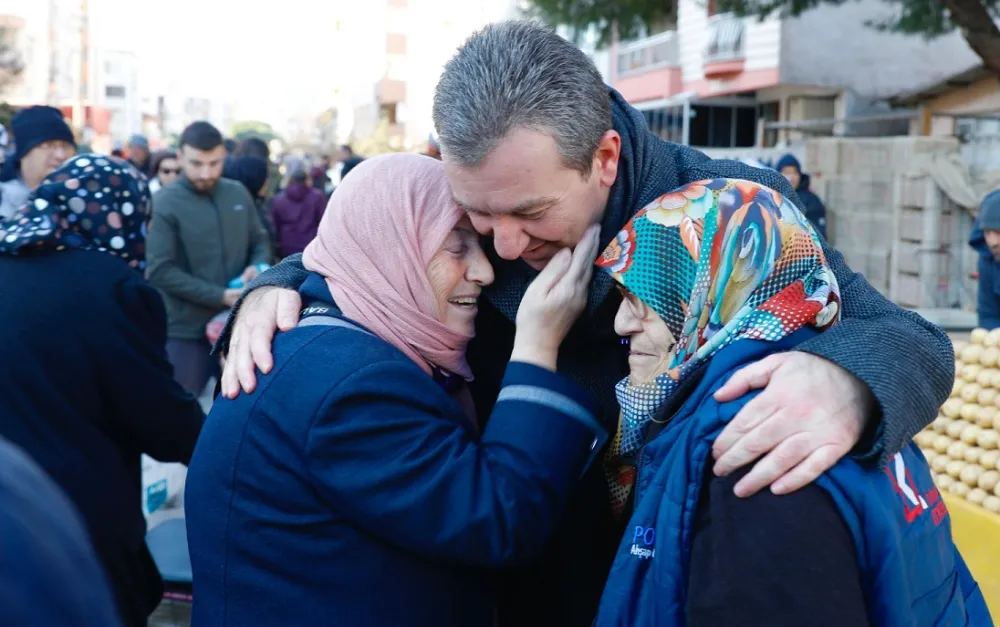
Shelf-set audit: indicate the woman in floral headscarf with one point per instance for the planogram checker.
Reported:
(714, 276)
(85, 381)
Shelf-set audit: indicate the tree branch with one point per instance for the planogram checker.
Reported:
(978, 28)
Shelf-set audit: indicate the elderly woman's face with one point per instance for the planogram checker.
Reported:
(457, 273)
(650, 339)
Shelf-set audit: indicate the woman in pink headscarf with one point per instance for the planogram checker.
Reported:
(355, 487)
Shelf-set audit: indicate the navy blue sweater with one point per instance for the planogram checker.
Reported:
(86, 389)
(350, 489)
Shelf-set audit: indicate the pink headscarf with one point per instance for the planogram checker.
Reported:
(383, 224)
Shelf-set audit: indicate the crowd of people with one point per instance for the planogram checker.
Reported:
(560, 372)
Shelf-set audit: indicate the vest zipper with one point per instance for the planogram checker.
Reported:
(222, 238)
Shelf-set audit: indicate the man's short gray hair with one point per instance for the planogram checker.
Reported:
(520, 74)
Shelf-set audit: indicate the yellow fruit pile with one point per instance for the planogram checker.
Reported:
(963, 444)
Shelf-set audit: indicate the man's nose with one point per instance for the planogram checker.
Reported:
(509, 239)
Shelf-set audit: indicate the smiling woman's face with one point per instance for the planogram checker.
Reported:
(457, 272)
(650, 339)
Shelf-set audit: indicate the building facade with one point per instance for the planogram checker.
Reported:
(720, 81)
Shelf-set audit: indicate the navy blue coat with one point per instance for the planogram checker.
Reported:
(86, 389)
(908, 567)
(988, 297)
(350, 489)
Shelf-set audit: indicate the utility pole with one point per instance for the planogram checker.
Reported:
(53, 57)
(79, 109)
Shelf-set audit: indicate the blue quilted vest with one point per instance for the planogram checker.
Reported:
(913, 575)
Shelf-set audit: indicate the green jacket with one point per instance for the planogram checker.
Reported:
(197, 243)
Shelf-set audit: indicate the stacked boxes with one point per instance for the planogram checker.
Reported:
(896, 229)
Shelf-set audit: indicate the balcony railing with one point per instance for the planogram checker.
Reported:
(650, 53)
(726, 41)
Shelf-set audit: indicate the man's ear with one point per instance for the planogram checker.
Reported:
(606, 158)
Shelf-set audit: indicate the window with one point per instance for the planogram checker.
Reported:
(114, 91)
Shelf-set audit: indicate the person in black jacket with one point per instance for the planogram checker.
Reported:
(811, 206)
(86, 384)
(348, 160)
(531, 192)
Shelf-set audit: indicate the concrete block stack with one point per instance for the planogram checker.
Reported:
(896, 229)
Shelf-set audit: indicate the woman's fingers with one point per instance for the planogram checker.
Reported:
(585, 253)
(554, 271)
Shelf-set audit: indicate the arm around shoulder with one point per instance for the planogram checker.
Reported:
(401, 461)
(906, 362)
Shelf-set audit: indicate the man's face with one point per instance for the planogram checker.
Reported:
(529, 200)
(993, 241)
(203, 167)
(139, 154)
(793, 175)
(43, 159)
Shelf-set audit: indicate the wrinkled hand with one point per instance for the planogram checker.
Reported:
(553, 302)
(810, 414)
(264, 310)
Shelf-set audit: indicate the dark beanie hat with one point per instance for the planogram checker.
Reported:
(250, 171)
(34, 126)
(989, 211)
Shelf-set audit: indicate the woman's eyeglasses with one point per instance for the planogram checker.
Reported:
(169, 171)
(636, 307)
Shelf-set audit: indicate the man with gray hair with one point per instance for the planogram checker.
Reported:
(537, 149)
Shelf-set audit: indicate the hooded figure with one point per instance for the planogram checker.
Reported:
(812, 206)
(297, 212)
(985, 240)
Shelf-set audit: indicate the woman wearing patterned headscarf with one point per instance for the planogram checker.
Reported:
(85, 380)
(714, 276)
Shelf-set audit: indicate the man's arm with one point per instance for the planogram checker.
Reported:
(782, 561)
(874, 341)
(164, 273)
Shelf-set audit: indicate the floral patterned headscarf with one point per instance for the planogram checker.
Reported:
(91, 201)
(719, 261)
